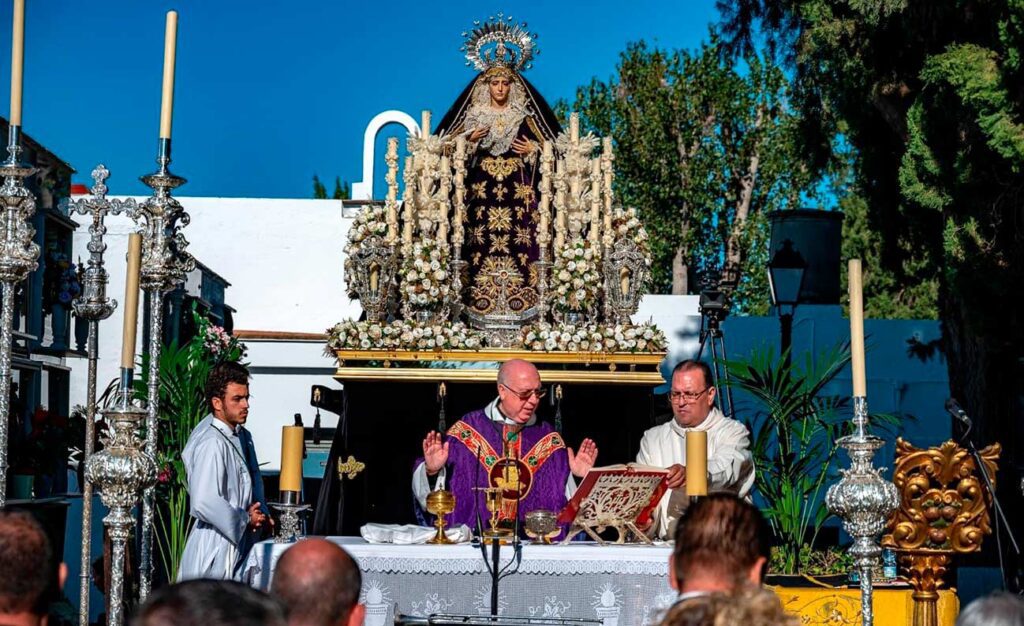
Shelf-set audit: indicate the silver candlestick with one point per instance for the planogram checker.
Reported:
(864, 501)
(164, 266)
(18, 257)
(93, 305)
(289, 519)
(122, 469)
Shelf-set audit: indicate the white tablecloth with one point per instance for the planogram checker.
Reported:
(616, 584)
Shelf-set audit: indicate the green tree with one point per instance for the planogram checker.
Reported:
(341, 192)
(929, 94)
(319, 191)
(703, 150)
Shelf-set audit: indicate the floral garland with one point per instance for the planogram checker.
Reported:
(576, 281)
(370, 222)
(545, 337)
(401, 335)
(424, 276)
(627, 225)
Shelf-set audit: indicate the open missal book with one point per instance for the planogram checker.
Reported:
(617, 496)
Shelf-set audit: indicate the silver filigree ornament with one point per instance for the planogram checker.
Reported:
(164, 266)
(625, 274)
(122, 470)
(19, 256)
(376, 264)
(499, 42)
(864, 501)
(93, 305)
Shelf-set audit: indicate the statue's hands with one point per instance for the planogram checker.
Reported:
(581, 462)
(523, 146)
(435, 452)
(676, 476)
(479, 133)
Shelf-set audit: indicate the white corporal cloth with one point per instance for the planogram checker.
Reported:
(223, 481)
(730, 465)
(405, 534)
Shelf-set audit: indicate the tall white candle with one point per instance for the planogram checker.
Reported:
(170, 53)
(857, 328)
(17, 60)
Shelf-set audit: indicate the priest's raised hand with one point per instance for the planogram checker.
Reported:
(581, 462)
(435, 452)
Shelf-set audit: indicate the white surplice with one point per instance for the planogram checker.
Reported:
(730, 465)
(223, 481)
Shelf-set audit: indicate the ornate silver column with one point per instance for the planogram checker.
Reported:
(18, 257)
(122, 469)
(93, 305)
(864, 501)
(164, 265)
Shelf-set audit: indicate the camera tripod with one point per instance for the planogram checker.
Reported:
(711, 334)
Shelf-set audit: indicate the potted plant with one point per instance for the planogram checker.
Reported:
(794, 434)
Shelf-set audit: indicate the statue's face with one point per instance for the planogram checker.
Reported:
(499, 87)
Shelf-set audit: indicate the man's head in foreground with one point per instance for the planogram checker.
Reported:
(211, 603)
(29, 578)
(319, 584)
(722, 541)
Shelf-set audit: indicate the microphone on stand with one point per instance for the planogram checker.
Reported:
(953, 408)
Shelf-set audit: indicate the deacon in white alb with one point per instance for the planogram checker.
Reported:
(224, 481)
(730, 466)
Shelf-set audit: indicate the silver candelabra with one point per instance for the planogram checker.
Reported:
(864, 501)
(122, 469)
(18, 257)
(164, 266)
(93, 305)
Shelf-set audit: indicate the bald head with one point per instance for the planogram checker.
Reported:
(515, 370)
(519, 390)
(319, 583)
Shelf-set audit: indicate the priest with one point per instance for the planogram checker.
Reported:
(503, 446)
(730, 465)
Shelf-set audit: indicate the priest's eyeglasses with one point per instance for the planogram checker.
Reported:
(525, 395)
(687, 396)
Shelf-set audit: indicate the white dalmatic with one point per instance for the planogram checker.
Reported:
(223, 481)
(730, 465)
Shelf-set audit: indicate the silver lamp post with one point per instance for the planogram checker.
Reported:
(18, 257)
(164, 266)
(122, 470)
(93, 305)
(864, 501)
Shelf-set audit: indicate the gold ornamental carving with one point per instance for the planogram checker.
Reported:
(350, 468)
(943, 511)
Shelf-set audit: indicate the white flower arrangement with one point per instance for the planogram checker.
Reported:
(576, 277)
(594, 337)
(425, 277)
(370, 222)
(401, 335)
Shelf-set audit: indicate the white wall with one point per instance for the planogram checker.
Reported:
(283, 259)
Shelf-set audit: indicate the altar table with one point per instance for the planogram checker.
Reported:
(615, 584)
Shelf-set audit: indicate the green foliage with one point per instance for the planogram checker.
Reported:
(341, 192)
(794, 442)
(319, 191)
(704, 149)
(182, 373)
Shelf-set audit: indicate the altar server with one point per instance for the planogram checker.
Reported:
(224, 481)
(730, 466)
(503, 446)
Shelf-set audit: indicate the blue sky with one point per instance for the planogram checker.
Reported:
(268, 93)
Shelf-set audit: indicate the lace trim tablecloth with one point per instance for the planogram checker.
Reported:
(575, 559)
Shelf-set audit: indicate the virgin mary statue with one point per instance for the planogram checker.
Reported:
(505, 123)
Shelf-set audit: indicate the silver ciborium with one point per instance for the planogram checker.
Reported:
(542, 526)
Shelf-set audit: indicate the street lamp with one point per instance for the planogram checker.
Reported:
(786, 276)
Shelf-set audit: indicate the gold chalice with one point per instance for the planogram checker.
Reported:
(542, 526)
(439, 504)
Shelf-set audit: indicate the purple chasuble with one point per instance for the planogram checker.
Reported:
(548, 466)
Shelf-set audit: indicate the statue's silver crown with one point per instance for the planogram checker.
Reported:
(500, 43)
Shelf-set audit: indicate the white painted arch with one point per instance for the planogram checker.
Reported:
(363, 190)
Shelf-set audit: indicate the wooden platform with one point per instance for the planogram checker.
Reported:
(622, 368)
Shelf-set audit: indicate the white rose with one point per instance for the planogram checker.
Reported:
(581, 294)
(564, 275)
(579, 252)
(440, 275)
(577, 283)
(435, 265)
(365, 343)
(571, 266)
(411, 276)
